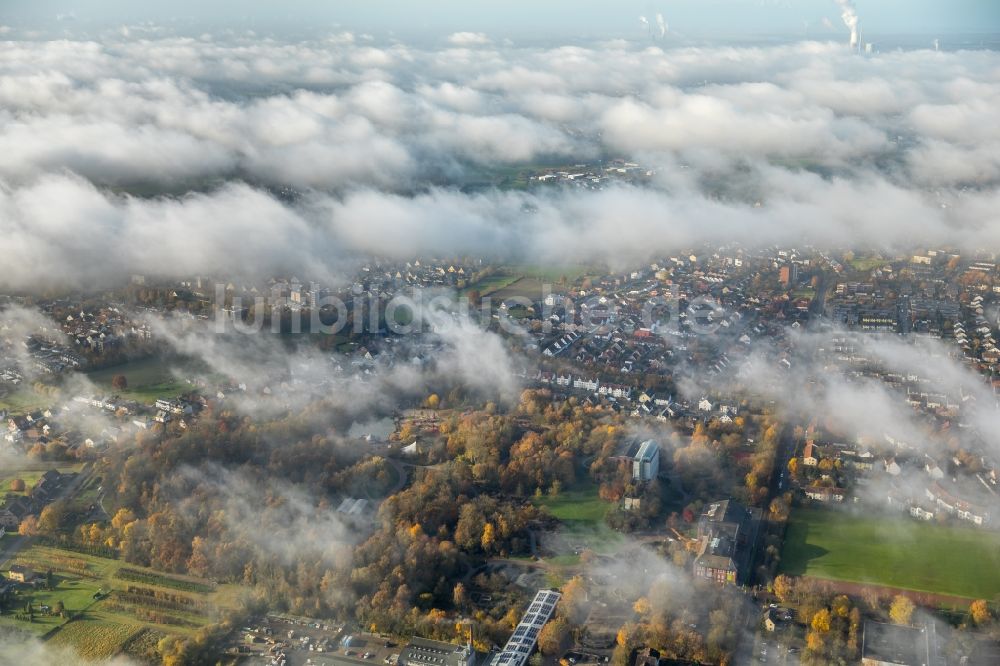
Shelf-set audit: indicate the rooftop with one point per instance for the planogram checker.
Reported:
(894, 644)
(648, 450)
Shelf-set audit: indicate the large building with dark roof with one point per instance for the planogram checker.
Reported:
(894, 645)
(727, 532)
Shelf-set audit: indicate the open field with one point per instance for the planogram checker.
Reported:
(95, 639)
(528, 281)
(866, 264)
(895, 552)
(577, 504)
(148, 379)
(23, 400)
(109, 619)
(507, 176)
(30, 478)
(555, 274)
(527, 287)
(581, 513)
(488, 285)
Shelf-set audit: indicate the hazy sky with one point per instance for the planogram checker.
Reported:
(523, 17)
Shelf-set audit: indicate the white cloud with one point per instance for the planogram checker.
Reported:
(362, 128)
(468, 39)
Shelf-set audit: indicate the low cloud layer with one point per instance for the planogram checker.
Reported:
(29, 651)
(818, 386)
(456, 353)
(378, 143)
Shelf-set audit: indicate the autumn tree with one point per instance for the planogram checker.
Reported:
(901, 610)
(853, 627)
(784, 588)
(200, 561)
(488, 538)
(980, 611)
(407, 432)
(641, 606)
(574, 603)
(122, 518)
(459, 596)
(470, 528)
(870, 595)
(841, 605)
(779, 509)
(821, 621)
(28, 526)
(625, 635)
(53, 517)
(553, 637)
(814, 642)
(17, 485)
(793, 467)
(119, 382)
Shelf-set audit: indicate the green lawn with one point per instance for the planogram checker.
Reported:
(578, 504)
(866, 264)
(492, 283)
(25, 400)
(581, 512)
(528, 280)
(148, 379)
(30, 478)
(897, 552)
(554, 273)
(76, 593)
(531, 288)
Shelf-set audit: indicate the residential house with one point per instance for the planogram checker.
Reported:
(809, 454)
(825, 494)
(21, 574)
(948, 498)
(15, 511)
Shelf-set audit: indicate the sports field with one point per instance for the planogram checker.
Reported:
(891, 551)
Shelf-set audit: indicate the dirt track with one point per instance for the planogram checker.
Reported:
(885, 593)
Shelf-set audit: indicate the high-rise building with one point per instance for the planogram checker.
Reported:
(646, 464)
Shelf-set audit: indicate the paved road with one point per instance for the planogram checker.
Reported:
(11, 547)
(818, 306)
(786, 449)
